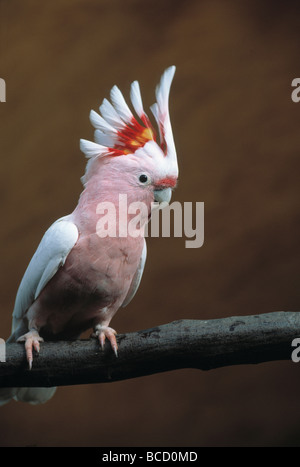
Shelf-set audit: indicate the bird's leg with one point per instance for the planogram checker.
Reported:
(32, 341)
(101, 332)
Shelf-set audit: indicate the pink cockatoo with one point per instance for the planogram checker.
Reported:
(77, 278)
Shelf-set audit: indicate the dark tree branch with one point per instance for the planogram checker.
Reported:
(180, 344)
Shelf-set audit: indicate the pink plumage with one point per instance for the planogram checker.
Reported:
(78, 279)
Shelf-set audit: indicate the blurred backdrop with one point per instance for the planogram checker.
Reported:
(238, 141)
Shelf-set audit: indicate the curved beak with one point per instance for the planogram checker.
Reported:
(163, 195)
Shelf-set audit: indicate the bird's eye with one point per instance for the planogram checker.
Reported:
(144, 179)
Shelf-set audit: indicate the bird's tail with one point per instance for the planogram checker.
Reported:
(31, 395)
(6, 394)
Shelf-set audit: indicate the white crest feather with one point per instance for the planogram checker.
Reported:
(104, 139)
(110, 114)
(120, 105)
(119, 133)
(98, 122)
(136, 98)
(163, 90)
(91, 149)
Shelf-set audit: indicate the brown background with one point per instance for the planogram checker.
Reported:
(238, 140)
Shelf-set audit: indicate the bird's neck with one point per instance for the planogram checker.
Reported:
(100, 196)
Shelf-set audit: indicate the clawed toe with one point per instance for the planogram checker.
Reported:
(32, 341)
(103, 332)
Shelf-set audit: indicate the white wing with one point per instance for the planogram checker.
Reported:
(137, 277)
(50, 255)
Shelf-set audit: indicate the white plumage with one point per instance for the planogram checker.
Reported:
(51, 253)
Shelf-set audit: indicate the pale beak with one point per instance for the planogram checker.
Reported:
(164, 195)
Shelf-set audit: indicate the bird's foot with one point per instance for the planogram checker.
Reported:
(102, 332)
(32, 341)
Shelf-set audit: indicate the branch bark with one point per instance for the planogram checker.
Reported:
(181, 344)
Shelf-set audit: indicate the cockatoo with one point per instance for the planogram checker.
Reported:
(78, 278)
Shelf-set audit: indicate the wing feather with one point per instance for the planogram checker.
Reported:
(137, 277)
(50, 255)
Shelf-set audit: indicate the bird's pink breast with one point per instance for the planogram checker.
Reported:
(95, 277)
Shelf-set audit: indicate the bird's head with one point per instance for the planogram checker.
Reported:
(131, 146)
